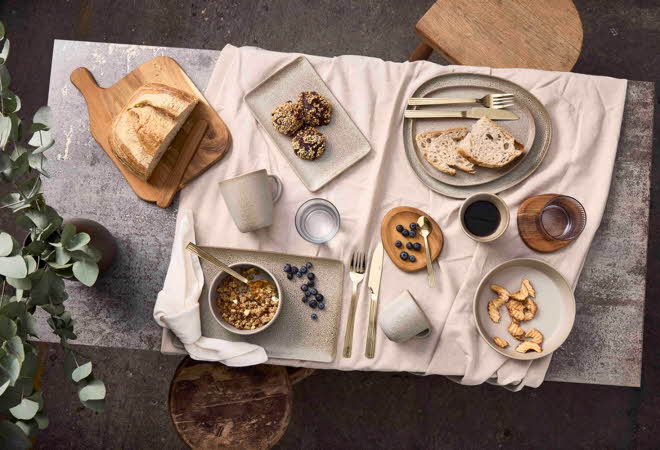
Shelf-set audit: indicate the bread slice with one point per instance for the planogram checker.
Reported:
(145, 128)
(439, 149)
(489, 145)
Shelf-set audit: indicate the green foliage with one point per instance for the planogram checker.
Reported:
(35, 272)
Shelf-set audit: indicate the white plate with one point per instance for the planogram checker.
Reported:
(554, 297)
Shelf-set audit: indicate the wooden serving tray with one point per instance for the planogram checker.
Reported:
(103, 104)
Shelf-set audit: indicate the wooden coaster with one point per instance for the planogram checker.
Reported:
(528, 229)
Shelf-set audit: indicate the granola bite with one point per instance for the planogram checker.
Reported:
(287, 117)
(317, 110)
(247, 307)
(308, 143)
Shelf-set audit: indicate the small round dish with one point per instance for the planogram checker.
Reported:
(502, 208)
(554, 297)
(262, 275)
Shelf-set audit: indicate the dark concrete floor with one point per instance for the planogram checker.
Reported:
(333, 409)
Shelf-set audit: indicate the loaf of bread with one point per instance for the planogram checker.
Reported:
(439, 148)
(145, 128)
(489, 145)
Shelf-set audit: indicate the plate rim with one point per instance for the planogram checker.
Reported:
(524, 356)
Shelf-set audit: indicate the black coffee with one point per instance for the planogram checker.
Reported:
(481, 218)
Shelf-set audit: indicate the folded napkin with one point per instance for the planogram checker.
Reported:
(586, 113)
(177, 306)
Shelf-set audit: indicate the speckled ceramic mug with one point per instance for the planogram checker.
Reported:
(402, 319)
(250, 199)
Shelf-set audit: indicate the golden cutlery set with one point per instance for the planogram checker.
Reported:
(493, 108)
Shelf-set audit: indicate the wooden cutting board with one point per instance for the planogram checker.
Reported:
(103, 104)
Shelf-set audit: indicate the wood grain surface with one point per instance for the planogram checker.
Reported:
(213, 406)
(103, 104)
(528, 214)
(405, 215)
(514, 33)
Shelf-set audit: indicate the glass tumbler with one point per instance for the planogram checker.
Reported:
(317, 221)
(562, 218)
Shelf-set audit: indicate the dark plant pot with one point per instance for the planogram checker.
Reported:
(102, 239)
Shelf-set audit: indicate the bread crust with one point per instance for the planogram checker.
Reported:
(451, 167)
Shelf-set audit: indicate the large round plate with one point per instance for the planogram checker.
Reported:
(554, 297)
(512, 176)
(523, 130)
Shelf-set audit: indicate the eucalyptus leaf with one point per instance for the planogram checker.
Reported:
(42, 421)
(2, 31)
(9, 367)
(30, 324)
(38, 218)
(44, 117)
(49, 289)
(31, 263)
(5, 128)
(5, 161)
(53, 309)
(11, 201)
(25, 410)
(86, 272)
(20, 283)
(4, 54)
(6, 244)
(12, 397)
(29, 428)
(82, 372)
(7, 328)
(13, 309)
(12, 436)
(14, 347)
(77, 242)
(36, 248)
(5, 78)
(11, 102)
(42, 140)
(95, 405)
(92, 390)
(30, 187)
(5, 384)
(68, 231)
(37, 162)
(62, 256)
(13, 266)
(15, 127)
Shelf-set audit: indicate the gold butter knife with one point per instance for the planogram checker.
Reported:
(375, 272)
(474, 113)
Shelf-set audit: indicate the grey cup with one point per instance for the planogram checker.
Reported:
(250, 199)
(402, 319)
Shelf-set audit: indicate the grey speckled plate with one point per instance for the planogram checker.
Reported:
(294, 335)
(345, 144)
(526, 104)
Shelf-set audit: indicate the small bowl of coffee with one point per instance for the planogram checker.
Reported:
(484, 217)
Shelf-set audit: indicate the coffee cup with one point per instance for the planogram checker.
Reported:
(250, 199)
(402, 319)
(484, 217)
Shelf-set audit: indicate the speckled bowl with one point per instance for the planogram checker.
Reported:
(262, 275)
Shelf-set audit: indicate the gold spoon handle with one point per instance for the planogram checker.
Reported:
(215, 261)
(429, 268)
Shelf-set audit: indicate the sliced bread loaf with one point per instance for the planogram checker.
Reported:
(439, 148)
(489, 145)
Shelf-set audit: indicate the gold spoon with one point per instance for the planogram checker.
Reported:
(424, 225)
(215, 261)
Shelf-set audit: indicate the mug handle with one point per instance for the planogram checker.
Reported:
(278, 187)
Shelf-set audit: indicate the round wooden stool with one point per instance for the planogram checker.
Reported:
(214, 406)
(516, 33)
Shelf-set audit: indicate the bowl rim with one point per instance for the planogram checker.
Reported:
(227, 326)
(532, 355)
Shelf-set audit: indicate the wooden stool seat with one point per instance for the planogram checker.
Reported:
(513, 33)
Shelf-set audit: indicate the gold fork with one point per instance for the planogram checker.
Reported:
(357, 269)
(495, 101)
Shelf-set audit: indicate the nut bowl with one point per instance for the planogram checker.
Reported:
(213, 295)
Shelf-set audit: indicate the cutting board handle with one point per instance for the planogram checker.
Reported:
(84, 81)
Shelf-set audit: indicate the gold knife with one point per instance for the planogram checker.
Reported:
(474, 113)
(375, 271)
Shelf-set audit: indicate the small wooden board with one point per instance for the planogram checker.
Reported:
(404, 215)
(528, 213)
(103, 104)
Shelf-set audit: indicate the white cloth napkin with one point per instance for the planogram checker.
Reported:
(177, 306)
(586, 113)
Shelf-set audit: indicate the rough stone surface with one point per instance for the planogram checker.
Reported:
(355, 409)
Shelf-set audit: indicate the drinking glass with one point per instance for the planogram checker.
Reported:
(317, 221)
(562, 218)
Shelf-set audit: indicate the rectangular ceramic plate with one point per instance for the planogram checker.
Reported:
(294, 335)
(345, 143)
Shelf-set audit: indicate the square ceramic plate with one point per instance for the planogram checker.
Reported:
(554, 297)
(345, 144)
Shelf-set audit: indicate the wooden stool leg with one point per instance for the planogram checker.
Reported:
(422, 52)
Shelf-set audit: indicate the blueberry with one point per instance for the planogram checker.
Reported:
(409, 246)
(313, 303)
(398, 244)
(304, 287)
(310, 276)
(310, 283)
(289, 276)
(287, 268)
(304, 299)
(412, 258)
(313, 291)
(417, 246)
(309, 265)
(300, 274)
(412, 233)
(399, 228)
(406, 233)
(307, 293)
(314, 316)
(303, 269)
(294, 269)
(319, 297)
(321, 305)
(413, 225)
(403, 255)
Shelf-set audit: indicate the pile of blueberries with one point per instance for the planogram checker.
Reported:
(311, 295)
(409, 233)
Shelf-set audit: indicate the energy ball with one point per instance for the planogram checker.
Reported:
(317, 110)
(308, 143)
(287, 117)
